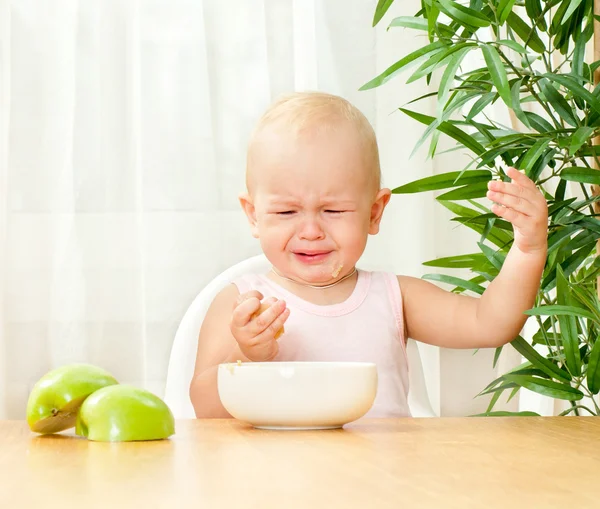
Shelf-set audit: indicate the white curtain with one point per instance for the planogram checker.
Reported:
(123, 126)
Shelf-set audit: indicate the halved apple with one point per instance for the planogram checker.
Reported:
(123, 413)
(56, 397)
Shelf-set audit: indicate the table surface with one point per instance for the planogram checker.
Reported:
(527, 462)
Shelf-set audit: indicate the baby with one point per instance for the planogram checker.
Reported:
(313, 198)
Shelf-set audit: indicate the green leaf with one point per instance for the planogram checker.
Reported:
(540, 124)
(458, 282)
(538, 361)
(448, 78)
(494, 399)
(515, 93)
(560, 191)
(484, 219)
(559, 103)
(458, 101)
(568, 325)
(541, 163)
(504, 9)
(496, 258)
(573, 4)
(582, 239)
(556, 25)
(593, 369)
(489, 225)
(466, 192)
(420, 24)
(591, 224)
(381, 9)
(557, 238)
(581, 136)
(504, 413)
(466, 261)
(546, 387)
(500, 388)
(444, 181)
(497, 72)
(560, 208)
(476, 221)
(561, 310)
(432, 14)
(465, 16)
(578, 90)
(514, 45)
(533, 154)
(409, 22)
(449, 129)
(578, 58)
(391, 71)
(513, 394)
(436, 59)
(480, 104)
(587, 298)
(568, 266)
(523, 30)
(580, 174)
(497, 354)
(534, 11)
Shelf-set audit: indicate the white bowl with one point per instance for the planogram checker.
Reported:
(297, 395)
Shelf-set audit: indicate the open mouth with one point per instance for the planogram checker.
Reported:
(312, 257)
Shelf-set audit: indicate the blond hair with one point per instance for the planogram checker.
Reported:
(301, 112)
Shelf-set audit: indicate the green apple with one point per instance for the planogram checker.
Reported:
(57, 396)
(122, 413)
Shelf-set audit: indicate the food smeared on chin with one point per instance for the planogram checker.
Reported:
(336, 271)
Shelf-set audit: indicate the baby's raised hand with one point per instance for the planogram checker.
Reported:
(521, 203)
(257, 331)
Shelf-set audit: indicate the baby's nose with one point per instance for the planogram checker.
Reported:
(311, 229)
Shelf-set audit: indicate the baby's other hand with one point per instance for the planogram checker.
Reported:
(521, 203)
(256, 332)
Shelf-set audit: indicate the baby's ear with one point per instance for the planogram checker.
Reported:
(381, 200)
(250, 211)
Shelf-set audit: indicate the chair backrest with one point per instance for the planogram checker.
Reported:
(183, 352)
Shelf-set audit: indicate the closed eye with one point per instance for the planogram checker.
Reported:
(335, 211)
(285, 213)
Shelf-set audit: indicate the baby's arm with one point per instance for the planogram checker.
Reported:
(231, 331)
(446, 319)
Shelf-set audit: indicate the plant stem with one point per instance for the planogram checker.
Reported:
(582, 407)
(546, 339)
(575, 408)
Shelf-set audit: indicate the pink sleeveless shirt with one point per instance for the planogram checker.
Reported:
(367, 327)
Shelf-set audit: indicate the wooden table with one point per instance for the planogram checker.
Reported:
(405, 463)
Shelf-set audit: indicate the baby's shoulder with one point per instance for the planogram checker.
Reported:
(225, 298)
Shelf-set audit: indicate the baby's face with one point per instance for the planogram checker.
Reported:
(311, 203)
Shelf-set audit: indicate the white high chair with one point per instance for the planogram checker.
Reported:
(183, 352)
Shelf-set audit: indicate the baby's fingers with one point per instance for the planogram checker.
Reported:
(515, 217)
(252, 294)
(264, 318)
(514, 202)
(242, 313)
(274, 329)
(520, 178)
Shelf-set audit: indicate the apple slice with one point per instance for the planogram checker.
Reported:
(56, 397)
(123, 413)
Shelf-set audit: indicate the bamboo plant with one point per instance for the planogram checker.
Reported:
(533, 63)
